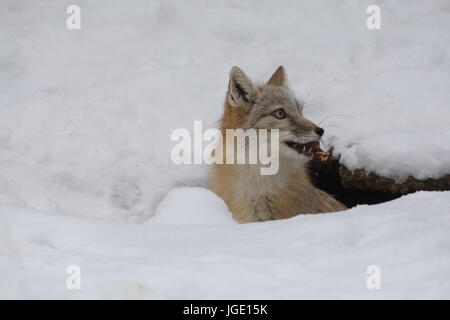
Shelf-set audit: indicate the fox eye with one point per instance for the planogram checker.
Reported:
(279, 113)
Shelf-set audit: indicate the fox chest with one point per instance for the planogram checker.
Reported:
(255, 202)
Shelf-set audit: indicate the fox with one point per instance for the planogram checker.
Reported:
(250, 196)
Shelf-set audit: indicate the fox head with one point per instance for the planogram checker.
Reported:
(271, 106)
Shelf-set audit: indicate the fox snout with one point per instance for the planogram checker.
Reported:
(319, 131)
(305, 127)
(303, 137)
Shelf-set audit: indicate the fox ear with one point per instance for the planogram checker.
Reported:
(241, 90)
(279, 78)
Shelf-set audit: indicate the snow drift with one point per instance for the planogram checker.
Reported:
(309, 256)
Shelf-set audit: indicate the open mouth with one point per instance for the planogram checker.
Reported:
(308, 149)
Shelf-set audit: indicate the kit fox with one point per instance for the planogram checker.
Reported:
(249, 195)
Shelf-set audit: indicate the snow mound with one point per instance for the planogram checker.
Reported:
(191, 205)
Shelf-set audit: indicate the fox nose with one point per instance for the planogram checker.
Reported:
(319, 131)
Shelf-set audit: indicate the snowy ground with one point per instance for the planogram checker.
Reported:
(314, 256)
(85, 124)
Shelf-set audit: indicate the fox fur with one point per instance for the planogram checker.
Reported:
(249, 195)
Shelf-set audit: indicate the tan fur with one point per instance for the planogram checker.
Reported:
(254, 197)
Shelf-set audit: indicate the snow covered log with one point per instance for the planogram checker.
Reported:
(360, 179)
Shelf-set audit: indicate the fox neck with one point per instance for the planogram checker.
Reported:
(251, 181)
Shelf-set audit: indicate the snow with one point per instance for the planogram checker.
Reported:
(85, 123)
(309, 256)
(86, 116)
(185, 206)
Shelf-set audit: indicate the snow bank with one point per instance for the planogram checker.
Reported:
(86, 116)
(309, 256)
